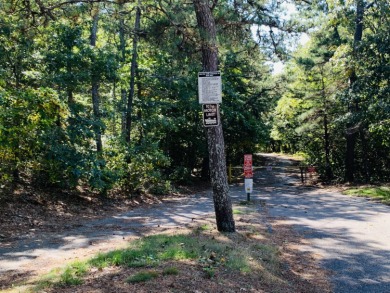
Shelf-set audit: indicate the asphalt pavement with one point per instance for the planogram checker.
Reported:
(350, 235)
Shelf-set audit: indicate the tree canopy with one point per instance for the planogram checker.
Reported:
(339, 86)
(103, 93)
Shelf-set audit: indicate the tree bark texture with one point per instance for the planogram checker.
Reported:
(122, 49)
(366, 160)
(133, 68)
(95, 87)
(328, 168)
(351, 136)
(216, 146)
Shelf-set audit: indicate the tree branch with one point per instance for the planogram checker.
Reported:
(44, 10)
(215, 2)
(370, 5)
(50, 8)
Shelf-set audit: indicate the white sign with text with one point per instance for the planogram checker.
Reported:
(210, 87)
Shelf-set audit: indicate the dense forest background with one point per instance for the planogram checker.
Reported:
(103, 93)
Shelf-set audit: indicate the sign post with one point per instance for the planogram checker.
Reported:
(248, 174)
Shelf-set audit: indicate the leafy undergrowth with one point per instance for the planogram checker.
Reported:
(197, 258)
(381, 193)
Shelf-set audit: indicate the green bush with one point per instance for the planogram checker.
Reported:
(138, 167)
(26, 116)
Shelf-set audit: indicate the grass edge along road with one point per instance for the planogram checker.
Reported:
(195, 256)
(380, 193)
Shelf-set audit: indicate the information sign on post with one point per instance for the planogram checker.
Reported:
(210, 115)
(248, 185)
(248, 173)
(210, 87)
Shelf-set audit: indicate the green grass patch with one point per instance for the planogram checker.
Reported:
(170, 271)
(142, 277)
(268, 254)
(300, 156)
(70, 275)
(238, 260)
(204, 227)
(238, 212)
(246, 203)
(48, 280)
(209, 271)
(152, 250)
(382, 193)
(244, 209)
(210, 254)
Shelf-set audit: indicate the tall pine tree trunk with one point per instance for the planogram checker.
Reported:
(352, 132)
(129, 110)
(95, 86)
(122, 49)
(328, 167)
(216, 145)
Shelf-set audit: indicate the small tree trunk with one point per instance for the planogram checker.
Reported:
(133, 68)
(95, 87)
(366, 161)
(122, 49)
(96, 113)
(139, 112)
(114, 116)
(216, 145)
(70, 97)
(328, 168)
(351, 136)
(123, 111)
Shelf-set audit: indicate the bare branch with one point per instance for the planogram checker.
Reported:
(77, 2)
(370, 5)
(44, 10)
(215, 2)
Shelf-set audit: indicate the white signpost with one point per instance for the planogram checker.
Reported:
(248, 173)
(210, 87)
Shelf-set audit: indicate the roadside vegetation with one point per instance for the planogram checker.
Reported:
(380, 193)
(150, 256)
(91, 98)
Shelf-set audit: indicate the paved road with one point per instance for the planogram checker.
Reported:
(351, 235)
(51, 249)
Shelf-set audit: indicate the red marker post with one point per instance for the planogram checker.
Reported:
(248, 173)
